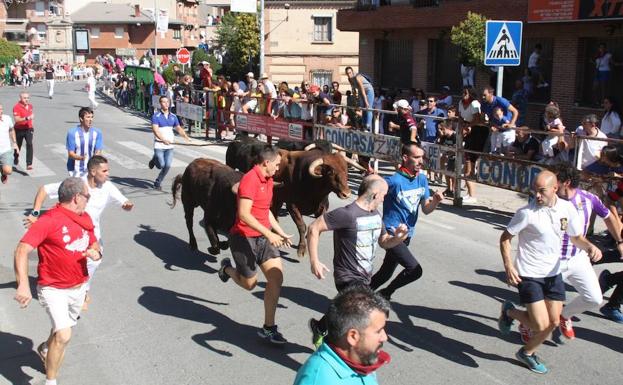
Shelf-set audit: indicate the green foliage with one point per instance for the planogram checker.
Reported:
(9, 49)
(239, 35)
(169, 74)
(469, 35)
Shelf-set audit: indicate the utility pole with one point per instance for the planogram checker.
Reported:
(155, 33)
(261, 38)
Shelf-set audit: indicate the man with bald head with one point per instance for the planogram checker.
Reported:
(541, 227)
(358, 228)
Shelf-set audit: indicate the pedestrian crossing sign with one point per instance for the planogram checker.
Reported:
(503, 43)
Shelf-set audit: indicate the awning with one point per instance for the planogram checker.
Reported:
(15, 27)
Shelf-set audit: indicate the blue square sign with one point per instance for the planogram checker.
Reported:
(503, 43)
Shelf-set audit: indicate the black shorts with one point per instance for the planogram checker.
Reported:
(537, 289)
(250, 252)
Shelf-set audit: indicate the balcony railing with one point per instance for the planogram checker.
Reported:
(369, 5)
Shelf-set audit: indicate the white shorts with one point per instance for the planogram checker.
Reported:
(62, 305)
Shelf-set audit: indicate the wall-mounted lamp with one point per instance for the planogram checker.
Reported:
(287, 7)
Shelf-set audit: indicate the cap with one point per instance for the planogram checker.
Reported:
(314, 88)
(264, 76)
(402, 103)
(446, 88)
(250, 74)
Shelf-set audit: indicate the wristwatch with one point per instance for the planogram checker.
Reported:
(35, 213)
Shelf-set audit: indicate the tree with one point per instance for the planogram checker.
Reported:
(469, 35)
(9, 50)
(238, 36)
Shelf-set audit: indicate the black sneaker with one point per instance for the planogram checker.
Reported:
(317, 333)
(225, 263)
(448, 193)
(603, 281)
(151, 164)
(15, 159)
(385, 294)
(272, 335)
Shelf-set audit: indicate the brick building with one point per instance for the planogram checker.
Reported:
(303, 42)
(406, 43)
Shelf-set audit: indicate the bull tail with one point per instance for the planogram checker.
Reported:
(175, 188)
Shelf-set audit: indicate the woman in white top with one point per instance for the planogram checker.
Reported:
(475, 136)
(611, 122)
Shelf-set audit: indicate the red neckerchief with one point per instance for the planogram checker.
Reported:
(404, 171)
(364, 370)
(83, 221)
(465, 104)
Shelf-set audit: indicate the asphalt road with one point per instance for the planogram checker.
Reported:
(160, 315)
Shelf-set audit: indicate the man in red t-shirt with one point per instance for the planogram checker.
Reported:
(253, 242)
(64, 239)
(23, 116)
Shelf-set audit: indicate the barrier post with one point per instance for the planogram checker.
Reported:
(375, 131)
(458, 167)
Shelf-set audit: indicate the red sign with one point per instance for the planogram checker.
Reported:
(543, 11)
(183, 56)
(262, 124)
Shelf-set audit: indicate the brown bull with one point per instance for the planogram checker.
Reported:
(210, 184)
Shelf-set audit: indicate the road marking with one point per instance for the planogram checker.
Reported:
(193, 153)
(124, 160)
(139, 148)
(39, 169)
(58, 149)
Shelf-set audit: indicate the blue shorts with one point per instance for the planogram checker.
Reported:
(602, 76)
(537, 289)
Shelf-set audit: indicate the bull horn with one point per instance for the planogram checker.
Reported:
(313, 166)
(310, 146)
(234, 188)
(355, 164)
(339, 148)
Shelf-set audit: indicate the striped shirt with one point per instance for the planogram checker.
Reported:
(82, 143)
(586, 203)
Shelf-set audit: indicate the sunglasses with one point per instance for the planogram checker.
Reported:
(430, 101)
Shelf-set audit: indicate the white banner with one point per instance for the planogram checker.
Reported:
(189, 111)
(364, 143)
(163, 21)
(246, 6)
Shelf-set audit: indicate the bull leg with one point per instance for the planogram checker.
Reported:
(302, 228)
(212, 236)
(189, 212)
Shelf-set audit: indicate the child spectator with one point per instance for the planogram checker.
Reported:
(502, 133)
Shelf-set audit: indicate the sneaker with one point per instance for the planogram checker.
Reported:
(42, 351)
(612, 313)
(469, 199)
(151, 164)
(532, 361)
(505, 322)
(317, 334)
(4, 178)
(448, 193)
(15, 160)
(603, 281)
(29, 167)
(272, 335)
(385, 294)
(157, 186)
(225, 263)
(566, 328)
(525, 333)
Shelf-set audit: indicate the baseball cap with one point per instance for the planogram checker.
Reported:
(402, 103)
(314, 88)
(250, 74)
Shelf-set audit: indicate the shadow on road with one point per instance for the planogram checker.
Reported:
(167, 302)
(173, 251)
(32, 282)
(17, 352)
(133, 182)
(302, 297)
(497, 218)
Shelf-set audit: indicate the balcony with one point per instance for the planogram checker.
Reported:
(42, 16)
(387, 15)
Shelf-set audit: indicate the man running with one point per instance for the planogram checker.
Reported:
(162, 124)
(541, 227)
(23, 116)
(8, 146)
(576, 267)
(101, 192)
(408, 190)
(82, 143)
(91, 88)
(254, 240)
(358, 228)
(49, 78)
(64, 239)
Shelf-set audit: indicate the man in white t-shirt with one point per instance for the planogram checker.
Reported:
(540, 227)
(589, 150)
(101, 191)
(7, 145)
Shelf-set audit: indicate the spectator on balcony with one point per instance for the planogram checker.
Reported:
(611, 122)
(362, 85)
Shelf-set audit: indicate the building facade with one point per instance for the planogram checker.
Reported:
(303, 43)
(406, 43)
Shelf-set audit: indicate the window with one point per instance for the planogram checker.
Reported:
(41, 31)
(322, 29)
(393, 65)
(177, 34)
(321, 77)
(95, 32)
(588, 92)
(443, 65)
(119, 32)
(540, 82)
(40, 8)
(55, 9)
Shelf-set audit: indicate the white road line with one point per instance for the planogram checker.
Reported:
(58, 149)
(139, 148)
(124, 160)
(39, 169)
(185, 151)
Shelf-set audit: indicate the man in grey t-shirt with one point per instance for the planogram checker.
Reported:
(357, 228)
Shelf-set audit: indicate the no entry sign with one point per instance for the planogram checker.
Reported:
(183, 56)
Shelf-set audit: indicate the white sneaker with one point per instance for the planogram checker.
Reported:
(469, 199)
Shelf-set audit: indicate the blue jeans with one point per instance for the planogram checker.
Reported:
(162, 160)
(367, 115)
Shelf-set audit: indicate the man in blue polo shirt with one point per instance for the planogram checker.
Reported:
(83, 141)
(162, 124)
(490, 102)
(408, 190)
(430, 124)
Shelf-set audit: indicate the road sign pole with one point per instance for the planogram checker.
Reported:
(500, 82)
